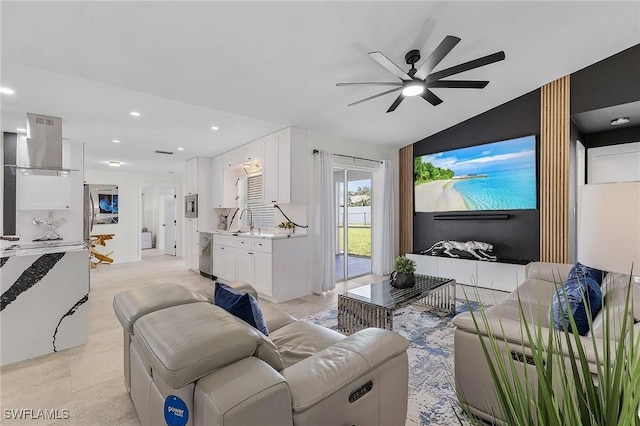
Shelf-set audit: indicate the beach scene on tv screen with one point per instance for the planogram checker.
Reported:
(494, 176)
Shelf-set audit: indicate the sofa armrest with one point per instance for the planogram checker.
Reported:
(341, 364)
(514, 333)
(548, 271)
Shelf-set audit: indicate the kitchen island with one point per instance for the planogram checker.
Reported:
(43, 309)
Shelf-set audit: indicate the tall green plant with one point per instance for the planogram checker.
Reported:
(564, 391)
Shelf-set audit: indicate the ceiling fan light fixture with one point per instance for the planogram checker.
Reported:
(413, 88)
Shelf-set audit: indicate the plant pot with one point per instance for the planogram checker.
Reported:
(400, 280)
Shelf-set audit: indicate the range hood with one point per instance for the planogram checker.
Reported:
(44, 147)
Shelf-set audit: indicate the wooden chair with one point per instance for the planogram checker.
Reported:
(100, 258)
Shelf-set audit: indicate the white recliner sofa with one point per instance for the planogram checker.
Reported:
(474, 383)
(190, 362)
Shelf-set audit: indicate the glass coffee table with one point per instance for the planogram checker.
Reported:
(372, 305)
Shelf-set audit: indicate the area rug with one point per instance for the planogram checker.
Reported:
(432, 398)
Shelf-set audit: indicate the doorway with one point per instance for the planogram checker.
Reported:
(353, 209)
(158, 225)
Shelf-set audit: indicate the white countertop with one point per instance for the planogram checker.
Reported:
(269, 234)
(18, 248)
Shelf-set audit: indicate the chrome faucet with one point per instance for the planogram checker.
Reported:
(250, 218)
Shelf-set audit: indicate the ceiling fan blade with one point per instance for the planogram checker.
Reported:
(375, 96)
(395, 103)
(371, 83)
(476, 63)
(436, 56)
(390, 66)
(459, 84)
(431, 97)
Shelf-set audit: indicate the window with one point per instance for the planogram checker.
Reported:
(251, 198)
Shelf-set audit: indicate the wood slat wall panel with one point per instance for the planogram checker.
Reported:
(406, 199)
(554, 171)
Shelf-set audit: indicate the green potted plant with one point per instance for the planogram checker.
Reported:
(403, 273)
(288, 226)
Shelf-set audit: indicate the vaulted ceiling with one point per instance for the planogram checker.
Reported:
(250, 68)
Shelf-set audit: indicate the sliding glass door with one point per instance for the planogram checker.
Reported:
(353, 211)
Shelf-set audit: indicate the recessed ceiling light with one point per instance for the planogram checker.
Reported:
(6, 91)
(21, 130)
(620, 121)
(115, 141)
(114, 164)
(214, 127)
(135, 113)
(180, 149)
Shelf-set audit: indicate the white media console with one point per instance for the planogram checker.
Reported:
(493, 275)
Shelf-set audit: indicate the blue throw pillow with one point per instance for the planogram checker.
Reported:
(242, 305)
(582, 284)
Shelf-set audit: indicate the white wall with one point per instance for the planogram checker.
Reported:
(615, 163)
(126, 242)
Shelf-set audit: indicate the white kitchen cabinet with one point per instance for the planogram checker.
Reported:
(223, 188)
(224, 257)
(191, 177)
(217, 175)
(232, 158)
(245, 266)
(253, 151)
(192, 244)
(224, 262)
(36, 192)
(277, 268)
(263, 272)
(285, 166)
(219, 261)
(198, 179)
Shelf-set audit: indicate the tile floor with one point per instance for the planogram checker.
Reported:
(88, 380)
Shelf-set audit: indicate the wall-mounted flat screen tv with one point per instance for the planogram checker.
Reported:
(493, 176)
(108, 203)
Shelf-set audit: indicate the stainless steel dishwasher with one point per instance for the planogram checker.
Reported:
(206, 255)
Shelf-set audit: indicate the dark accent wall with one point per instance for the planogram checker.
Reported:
(612, 137)
(10, 145)
(612, 81)
(516, 237)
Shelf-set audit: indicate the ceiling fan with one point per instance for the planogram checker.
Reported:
(419, 81)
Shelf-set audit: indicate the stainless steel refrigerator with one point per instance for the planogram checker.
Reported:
(89, 214)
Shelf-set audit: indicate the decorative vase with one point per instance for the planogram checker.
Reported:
(400, 280)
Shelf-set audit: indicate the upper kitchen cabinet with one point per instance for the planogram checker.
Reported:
(285, 169)
(253, 151)
(232, 158)
(223, 188)
(250, 153)
(198, 176)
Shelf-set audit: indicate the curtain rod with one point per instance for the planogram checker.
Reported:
(315, 151)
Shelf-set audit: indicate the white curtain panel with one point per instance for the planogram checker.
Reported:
(383, 235)
(323, 262)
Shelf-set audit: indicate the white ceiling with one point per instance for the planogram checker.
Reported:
(251, 68)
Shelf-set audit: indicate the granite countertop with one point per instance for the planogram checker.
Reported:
(23, 249)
